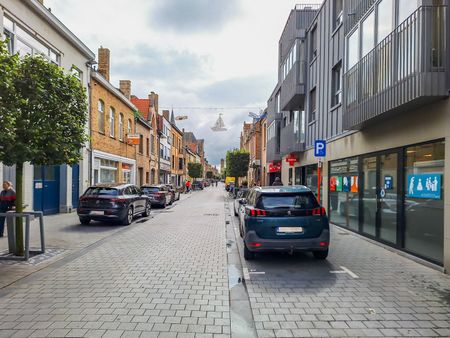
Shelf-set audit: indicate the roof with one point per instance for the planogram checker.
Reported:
(97, 76)
(53, 21)
(283, 189)
(142, 105)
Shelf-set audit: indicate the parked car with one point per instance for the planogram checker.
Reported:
(158, 194)
(113, 202)
(242, 193)
(197, 185)
(286, 219)
(174, 192)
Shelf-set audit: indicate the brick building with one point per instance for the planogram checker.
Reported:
(177, 171)
(112, 120)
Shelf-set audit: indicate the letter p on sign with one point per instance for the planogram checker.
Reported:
(320, 148)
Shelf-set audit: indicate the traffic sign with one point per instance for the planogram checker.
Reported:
(320, 148)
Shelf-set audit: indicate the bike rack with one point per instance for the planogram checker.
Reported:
(11, 217)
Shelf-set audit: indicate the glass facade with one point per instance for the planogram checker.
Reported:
(395, 196)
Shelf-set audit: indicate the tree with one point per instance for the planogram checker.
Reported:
(237, 164)
(195, 170)
(43, 115)
(209, 174)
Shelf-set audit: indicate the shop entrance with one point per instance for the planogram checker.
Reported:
(379, 196)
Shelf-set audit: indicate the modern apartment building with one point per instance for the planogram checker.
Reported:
(32, 29)
(371, 77)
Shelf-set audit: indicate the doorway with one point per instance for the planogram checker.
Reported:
(379, 196)
(46, 189)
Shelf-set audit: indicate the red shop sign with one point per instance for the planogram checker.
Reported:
(274, 167)
(291, 159)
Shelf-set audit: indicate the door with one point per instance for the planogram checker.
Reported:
(75, 185)
(46, 189)
(380, 198)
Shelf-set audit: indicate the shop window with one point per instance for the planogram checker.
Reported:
(344, 196)
(424, 200)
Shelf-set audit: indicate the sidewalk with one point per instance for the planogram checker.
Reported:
(64, 235)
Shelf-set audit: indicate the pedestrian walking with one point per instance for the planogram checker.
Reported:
(277, 182)
(188, 186)
(7, 202)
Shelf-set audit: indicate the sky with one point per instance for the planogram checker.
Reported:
(203, 57)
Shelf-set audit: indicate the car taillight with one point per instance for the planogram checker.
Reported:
(256, 212)
(319, 212)
(118, 200)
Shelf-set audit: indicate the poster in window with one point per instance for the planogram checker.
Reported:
(339, 183)
(333, 183)
(346, 184)
(354, 184)
(424, 186)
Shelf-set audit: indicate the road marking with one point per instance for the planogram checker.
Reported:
(347, 271)
(257, 272)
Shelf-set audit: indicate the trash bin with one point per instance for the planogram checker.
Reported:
(11, 228)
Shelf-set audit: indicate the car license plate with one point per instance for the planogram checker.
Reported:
(285, 230)
(95, 212)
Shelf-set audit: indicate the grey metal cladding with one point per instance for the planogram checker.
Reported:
(330, 51)
(409, 68)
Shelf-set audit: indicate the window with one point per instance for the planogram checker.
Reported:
(368, 34)
(312, 105)
(129, 127)
(152, 145)
(121, 127)
(77, 73)
(314, 42)
(101, 116)
(405, 9)
(291, 116)
(353, 49)
(271, 131)
(278, 103)
(385, 13)
(148, 147)
(112, 121)
(336, 86)
(141, 144)
(338, 10)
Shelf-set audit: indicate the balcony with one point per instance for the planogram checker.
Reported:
(293, 87)
(409, 68)
(290, 139)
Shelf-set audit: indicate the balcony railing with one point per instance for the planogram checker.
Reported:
(410, 64)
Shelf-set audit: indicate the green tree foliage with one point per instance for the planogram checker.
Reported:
(209, 174)
(237, 163)
(195, 170)
(43, 115)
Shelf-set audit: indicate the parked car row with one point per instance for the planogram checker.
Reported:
(282, 219)
(122, 202)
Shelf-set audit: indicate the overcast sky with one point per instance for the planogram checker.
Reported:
(193, 53)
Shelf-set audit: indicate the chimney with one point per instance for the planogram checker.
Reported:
(166, 114)
(153, 97)
(103, 62)
(125, 88)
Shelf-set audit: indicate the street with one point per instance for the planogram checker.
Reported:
(169, 276)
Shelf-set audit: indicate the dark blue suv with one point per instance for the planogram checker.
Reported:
(285, 219)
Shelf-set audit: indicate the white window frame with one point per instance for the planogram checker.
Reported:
(112, 121)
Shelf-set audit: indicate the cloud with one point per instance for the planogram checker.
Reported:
(165, 65)
(239, 91)
(193, 16)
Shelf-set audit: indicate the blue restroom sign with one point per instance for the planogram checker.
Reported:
(424, 186)
(388, 182)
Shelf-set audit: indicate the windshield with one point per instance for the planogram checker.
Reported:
(150, 189)
(288, 201)
(97, 191)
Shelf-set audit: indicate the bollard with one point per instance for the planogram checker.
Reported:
(11, 226)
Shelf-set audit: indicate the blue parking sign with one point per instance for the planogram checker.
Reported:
(320, 148)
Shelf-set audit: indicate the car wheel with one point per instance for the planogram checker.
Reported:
(128, 217)
(248, 255)
(85, 220)
(147, 211)
(320, 254)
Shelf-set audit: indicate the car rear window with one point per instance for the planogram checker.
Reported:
(150, 189)
(288, 201)
(101, 191)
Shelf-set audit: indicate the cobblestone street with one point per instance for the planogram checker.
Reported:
(169, 277)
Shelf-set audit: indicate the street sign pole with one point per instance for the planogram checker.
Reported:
(319, 179)
(320, 151)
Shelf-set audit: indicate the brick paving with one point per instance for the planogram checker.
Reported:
(166, 277)
(393, 296)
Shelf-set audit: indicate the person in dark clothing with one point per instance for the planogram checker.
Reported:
(7, 202)
(277, 182)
